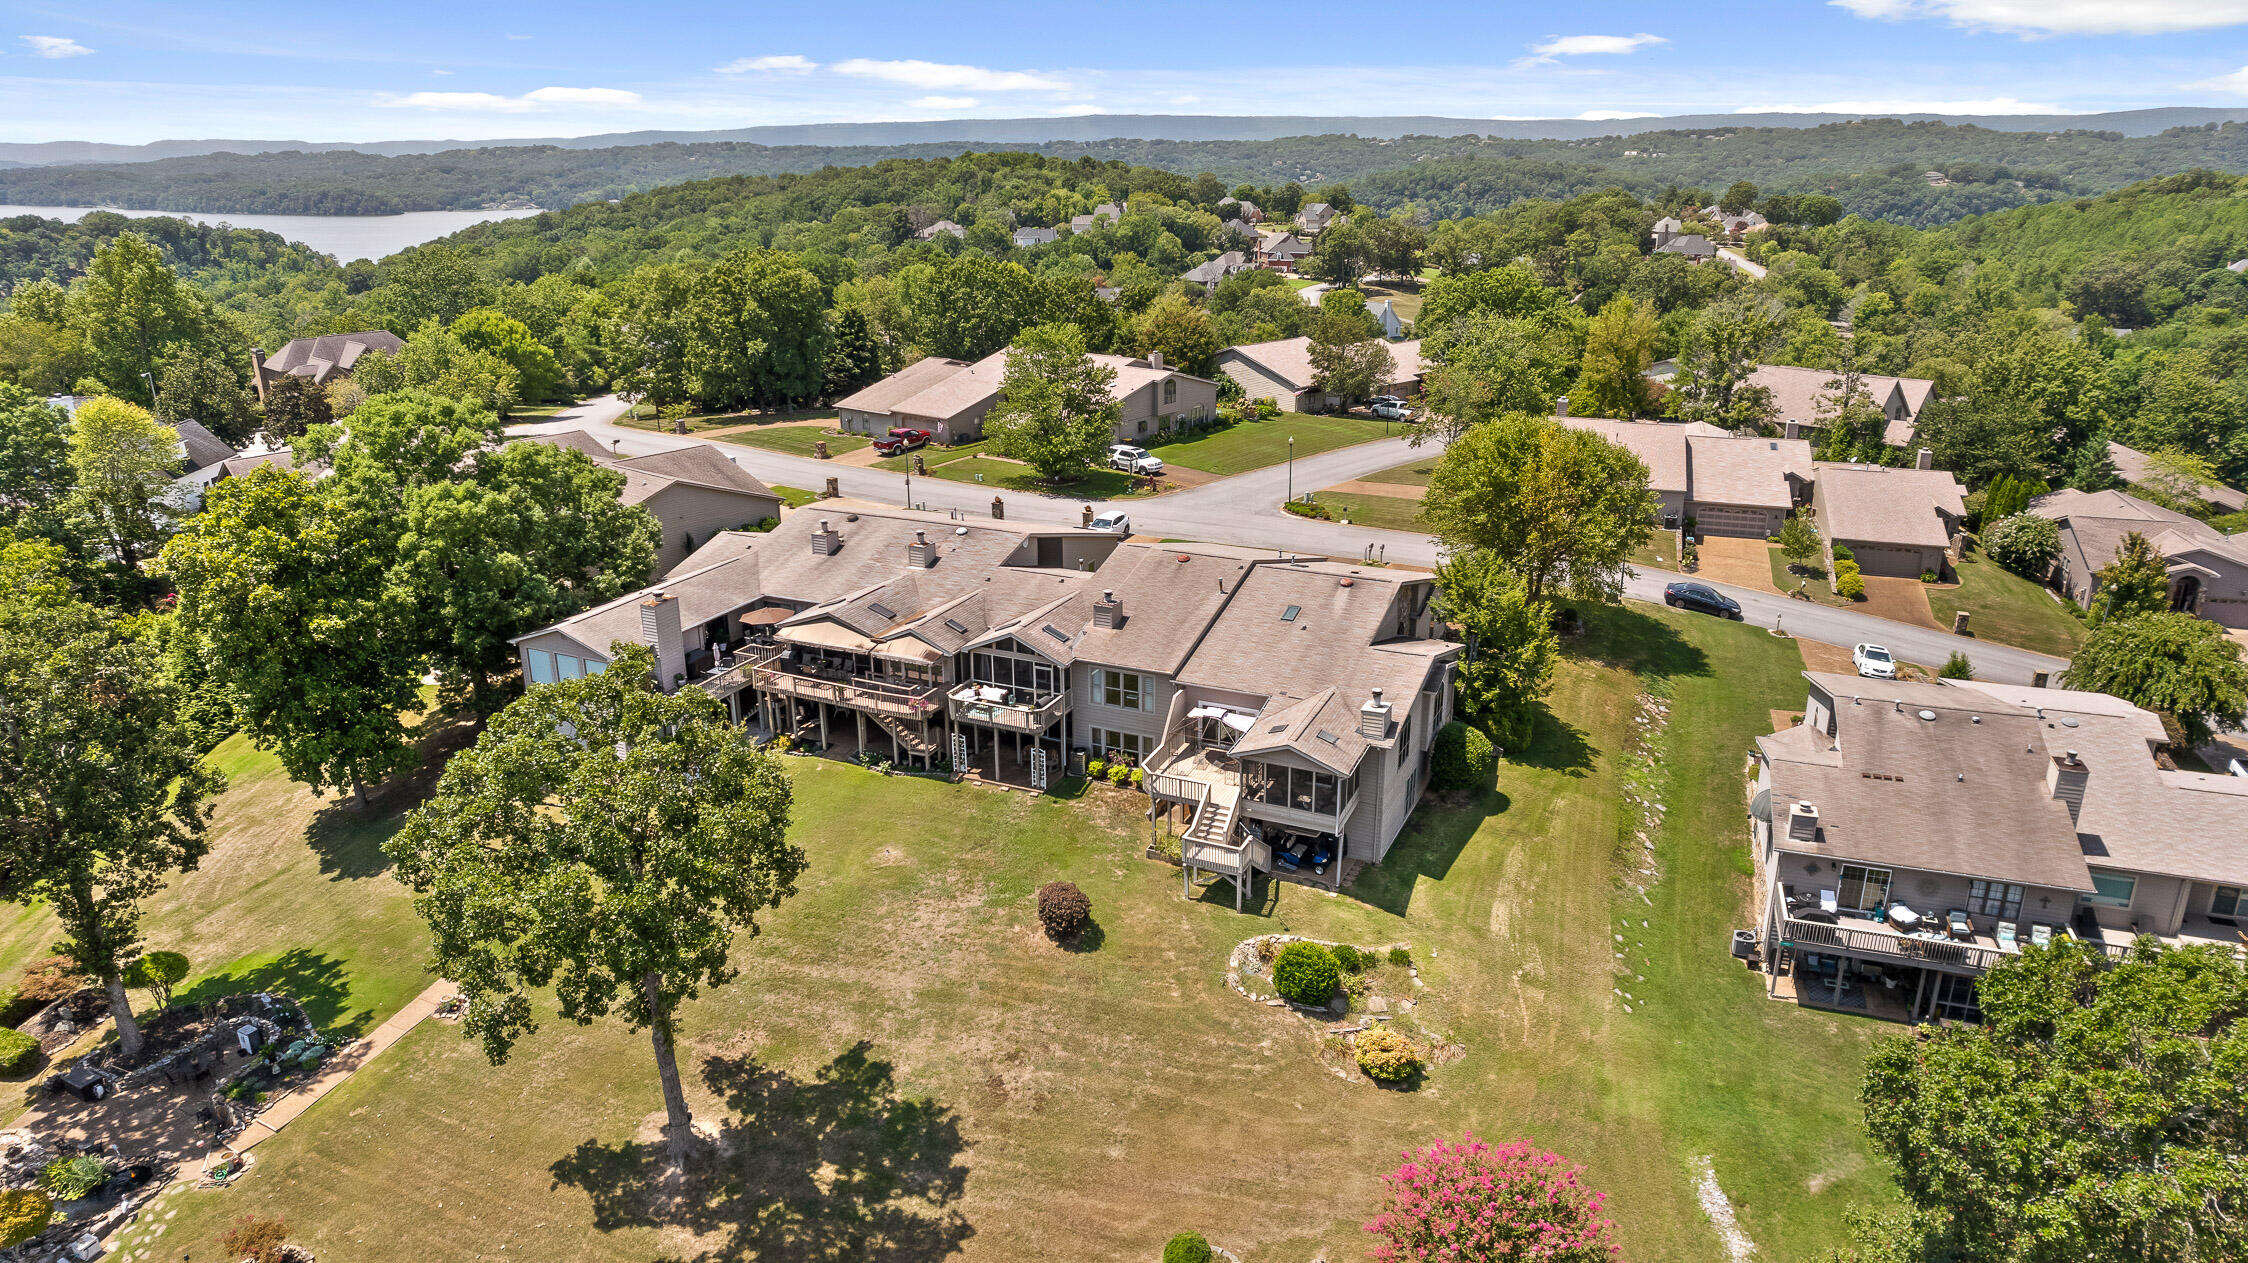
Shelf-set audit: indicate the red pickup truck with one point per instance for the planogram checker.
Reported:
(902, 440)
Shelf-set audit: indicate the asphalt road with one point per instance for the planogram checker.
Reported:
(1245, 510)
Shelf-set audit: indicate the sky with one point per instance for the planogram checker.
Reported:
(133, 72)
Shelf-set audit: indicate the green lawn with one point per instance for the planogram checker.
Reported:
(931, 456)
(1394, 513)
(644, 418)
(795, 497)
(796, 440)
(2006, 608)
(1413, 473)
(905, 1066)
(1006, 475)
(1813, 577)
(1660, 551)
(1247, 445)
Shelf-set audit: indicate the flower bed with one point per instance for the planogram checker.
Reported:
(1359, 1002)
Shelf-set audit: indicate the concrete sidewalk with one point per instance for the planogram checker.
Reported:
(342, 1066)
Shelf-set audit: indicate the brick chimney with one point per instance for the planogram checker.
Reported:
(825, 541)
(1803, 822)
(1108, 611)
(1373, 717)
(921, 554)
(2065, 780)
(659, 630)
(1925, 460)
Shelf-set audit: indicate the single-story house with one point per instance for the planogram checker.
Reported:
(1692, 245)
(2208, 569)
(1025, 238)
(941, 226)
(1281, 251)
(2134, 466)
(1282, 371)
(322, 360)
(1731, 486)
(1108, 211)
(949, 398)
(693, 492)
(1896, 522)
(1735, 223)
(1800, 394)
(1247, 213)
(1208, 275)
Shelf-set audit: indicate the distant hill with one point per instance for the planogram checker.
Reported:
(1036, 131)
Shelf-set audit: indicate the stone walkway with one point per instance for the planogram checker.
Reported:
(286, 1110)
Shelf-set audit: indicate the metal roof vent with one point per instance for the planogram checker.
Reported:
(1928, 715)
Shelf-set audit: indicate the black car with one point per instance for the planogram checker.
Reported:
(1694, 596)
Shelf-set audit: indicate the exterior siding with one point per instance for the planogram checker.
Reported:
(701, 512)
(1258, 384)
(1088, 712)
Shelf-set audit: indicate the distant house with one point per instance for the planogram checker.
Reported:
(1666, 230)
(2237, 265)
(1239, 228)
(1248, 214)
(1208, 275)
(1109, 211)
(693, 492)
(1281, 251)
(1799, 396)
(1741, 487)
(950, 398)
(321, 360)
(941, 226)
(203, 456)
(2208, 569)
(1896, 522)
(1282, 371)
(2132, 466)
(1315, 217)
(1693, 246)
(1025, 238)
(1385, 315)
(1735, 223)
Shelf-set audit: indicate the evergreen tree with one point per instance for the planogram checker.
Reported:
(2136, 582)
(854, 356)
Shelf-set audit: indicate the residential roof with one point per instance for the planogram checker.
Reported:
(1877, 504)
(1169, 593)
(1218, 269)
(2094, 524)
(279, 458)
(945, 389)
(2132, 465)
(199, 448)
(1692, 244)
(1798, 394)
(1322, 728)
(884, 396)
(697, 465)
(1747, 471)
(1288, 360)
(1035, 236)
(1661, 448)
(323, 357)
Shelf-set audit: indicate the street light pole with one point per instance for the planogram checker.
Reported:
(1291, 467)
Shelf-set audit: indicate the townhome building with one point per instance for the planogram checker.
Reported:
(2208, 569)
(1724, 484)
(1280, 711)
(1911, 836)
(693, 492)
(950, 398)
(1803, 399)
(321, 360)
(1281, 371)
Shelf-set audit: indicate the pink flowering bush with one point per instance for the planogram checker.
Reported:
(1475, 1203)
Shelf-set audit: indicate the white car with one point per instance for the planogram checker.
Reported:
(1874, 661)
(1389, 409)
(1133, 460)
(1114, 522)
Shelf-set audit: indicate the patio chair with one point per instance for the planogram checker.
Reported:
(2040, 934)
(2007, 936)
(1959, 924)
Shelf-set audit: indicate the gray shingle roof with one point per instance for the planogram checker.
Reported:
(322, 358)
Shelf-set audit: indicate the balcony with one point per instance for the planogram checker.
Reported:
(1011, 709)
(729, 673)
(875, 695)
(1927, 949)
(1300, 815)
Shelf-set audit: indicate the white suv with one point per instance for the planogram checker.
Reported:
(1133, 460)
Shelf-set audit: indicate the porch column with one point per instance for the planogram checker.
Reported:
(860, 715)
(823, 724)
(1918, 993)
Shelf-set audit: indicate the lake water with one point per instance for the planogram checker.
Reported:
(347, 237)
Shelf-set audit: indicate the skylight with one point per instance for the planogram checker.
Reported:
(1289, 615)
(956, 625)
(882, 611)
(1056, 632)
(1329, 738)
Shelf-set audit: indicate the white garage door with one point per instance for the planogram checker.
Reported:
(1717, 519)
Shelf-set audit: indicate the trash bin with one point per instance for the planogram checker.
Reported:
(1744, 944)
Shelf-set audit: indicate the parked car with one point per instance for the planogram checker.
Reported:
(902, 439)
(1389, 409)
(1695, 596)
(1133, 460)
(1114, 522)
(1874, 661)
(1378, 400)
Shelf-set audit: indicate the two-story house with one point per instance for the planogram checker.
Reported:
(1910, 836)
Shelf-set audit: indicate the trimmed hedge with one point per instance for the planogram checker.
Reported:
(1852, 586)
(24, 1212)
(1387, 1056)
(1187, 1247)
(1306, 973)
(1462, 759)
(19, 1054)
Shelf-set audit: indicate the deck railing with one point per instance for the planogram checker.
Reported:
(1032, 719)
(1812, 935)
(876, 696)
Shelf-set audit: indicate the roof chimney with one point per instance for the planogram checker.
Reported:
(2065, 780)
(825, 541)
(1561, 406)
(1373, 717)
(659, 630)
(1803, 822)
(1108, 611)
(921, 554)
(1155, 359)
(1926, 460)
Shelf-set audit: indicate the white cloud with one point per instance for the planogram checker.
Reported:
(1987, 105)
(778, 64)
(2235, 83)
(943, 103)
(1607, 116)
(494, 103)
(1590, 45)
(2061, 17)
(932, 76)
(54, 47)
(1078, 111)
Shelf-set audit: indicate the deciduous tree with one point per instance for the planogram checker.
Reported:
(134, 313)
(122, 464)
(617, 866)
(2136, 582)
(538, 376)
(1511, 647)
(1182, 331)
(1562, 507)
(2169, 662)
(1054, 411)
(196, 385)
(1619, 348)
(294, 404)
(35, 468)
(1722, 348)
(1488, 365)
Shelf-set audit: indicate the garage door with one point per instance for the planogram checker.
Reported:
(1717, 519)
(1887, 559)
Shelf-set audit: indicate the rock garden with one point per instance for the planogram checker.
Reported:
(1368, 1002)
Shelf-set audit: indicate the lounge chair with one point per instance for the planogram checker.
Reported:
(1961, 925)
(2040, 934)
(2007, 932)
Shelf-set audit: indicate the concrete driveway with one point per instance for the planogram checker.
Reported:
(1245, 510)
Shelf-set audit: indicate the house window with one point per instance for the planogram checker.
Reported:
(539, 665)
(1994, 899)
(1125, 690)
(1009, 672)
(1170, 389)
(1404, 740)
(571, 668)
(1863, 888)
(1143, 425)
(2111, 890)
(1295, 787)
(1108, 742)
(2227, 902)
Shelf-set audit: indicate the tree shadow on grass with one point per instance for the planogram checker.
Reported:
(1633, 640)
(822, 1170)
(316, 980)
(1556, 745)
(348, 838)
(1439, 830)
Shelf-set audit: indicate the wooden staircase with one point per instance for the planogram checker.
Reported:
(1214, 823)
(918, 742)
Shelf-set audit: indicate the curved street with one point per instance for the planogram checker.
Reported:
(1245, 510)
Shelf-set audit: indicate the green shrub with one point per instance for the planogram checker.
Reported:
(1462, 759)
(72, 1178)
(1852, 586)
(1845, 566)
(19, 1054)
(14, 1009)
(2024, 543)
(1401, 957)
(1349, 959)
(1842, 553)
(1138, 775)
(1316, 512)
(157, 973)
(1305, 973)
(1064, 910)
(1119, 773)
(1928, 576)
(1187, 1247)
(1096, 768)
(1387, 1056)
(24, 1212)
